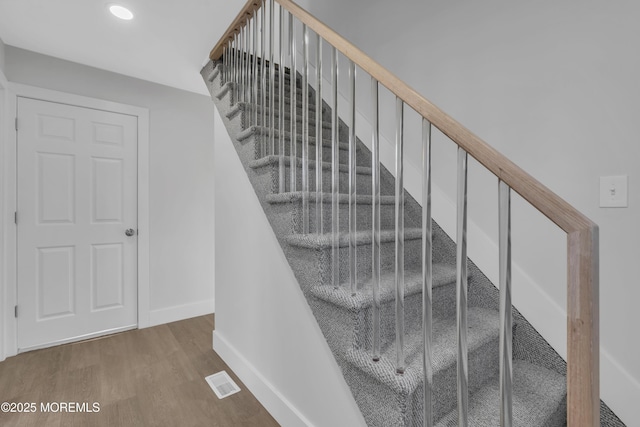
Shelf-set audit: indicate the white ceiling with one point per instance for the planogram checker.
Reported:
(167, 42)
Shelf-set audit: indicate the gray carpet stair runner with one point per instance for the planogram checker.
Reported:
(385, 398)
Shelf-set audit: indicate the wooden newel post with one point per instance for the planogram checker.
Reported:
(583, 329)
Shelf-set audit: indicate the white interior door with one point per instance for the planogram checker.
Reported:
(77, 197)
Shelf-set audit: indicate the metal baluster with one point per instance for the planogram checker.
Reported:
(249, 62)
(230, 59)
(335, 174)
(253, 75)
(245, 63)
(263, 81)
(506, 320)
(281, 175)
(375, 218)
(225, 63)
(319, 139)
(353, 279)
(272, 83)
(225, 55)
(241, 68)
(427, 275)
(292, 101)
(305, 130)
(254, 78)
(461, 291)
(234, 69)
(399, 261)
(236, 96)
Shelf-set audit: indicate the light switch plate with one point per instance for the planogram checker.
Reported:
(614, 191)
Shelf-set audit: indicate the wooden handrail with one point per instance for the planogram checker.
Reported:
(237, 24)
(583, 372)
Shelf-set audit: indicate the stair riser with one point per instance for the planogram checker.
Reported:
(276, 76)
(287, 110)
(287, 99)
(326, 150)
(287, 121)
(269, 174)
(293, 211)
(315, 266)
(444, 305)
(363, 182)
(227, 93)
(326, 128)
(483, 364)
(248, 120)
(287, 105)
(267, 72)
(241, 118)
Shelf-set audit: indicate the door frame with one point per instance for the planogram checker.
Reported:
(9, 286)
(4, 125)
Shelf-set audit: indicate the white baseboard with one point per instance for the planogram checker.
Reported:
(180, 312)
(278, 406)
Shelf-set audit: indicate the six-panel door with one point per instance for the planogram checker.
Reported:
(77, 192)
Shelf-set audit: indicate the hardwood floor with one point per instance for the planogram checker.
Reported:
(148, 377)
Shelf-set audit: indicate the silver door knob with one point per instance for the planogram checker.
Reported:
(130, 232)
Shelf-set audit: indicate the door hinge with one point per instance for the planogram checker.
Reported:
(16, 311)
(16, 124)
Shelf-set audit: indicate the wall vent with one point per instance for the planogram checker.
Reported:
(222, 384)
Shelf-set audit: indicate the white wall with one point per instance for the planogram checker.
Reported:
(552, 85)
(265, 330)
(181, 175)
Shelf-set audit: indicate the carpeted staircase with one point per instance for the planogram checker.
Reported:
(384, 397)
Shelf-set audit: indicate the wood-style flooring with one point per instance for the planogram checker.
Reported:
(147, 377)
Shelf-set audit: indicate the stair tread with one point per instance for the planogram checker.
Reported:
(239, 106)
(224, 89)
(537, 393)
(264, 130)
(296, 196)
(442, 275)
(483, 327)
(275, 160)
(324, 241)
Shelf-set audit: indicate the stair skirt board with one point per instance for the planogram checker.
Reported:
(387, 399)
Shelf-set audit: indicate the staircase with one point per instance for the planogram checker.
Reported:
(386, 398)
(359, 316)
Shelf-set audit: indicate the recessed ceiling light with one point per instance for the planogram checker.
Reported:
(121, 12)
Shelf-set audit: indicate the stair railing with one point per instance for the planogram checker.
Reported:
(243, 50)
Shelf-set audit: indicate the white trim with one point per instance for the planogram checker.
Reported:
(16, 90)
(274, 402)
(4, 125)
(143, 220)
(180, 312)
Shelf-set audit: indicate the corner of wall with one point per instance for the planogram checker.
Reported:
(2, 57)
